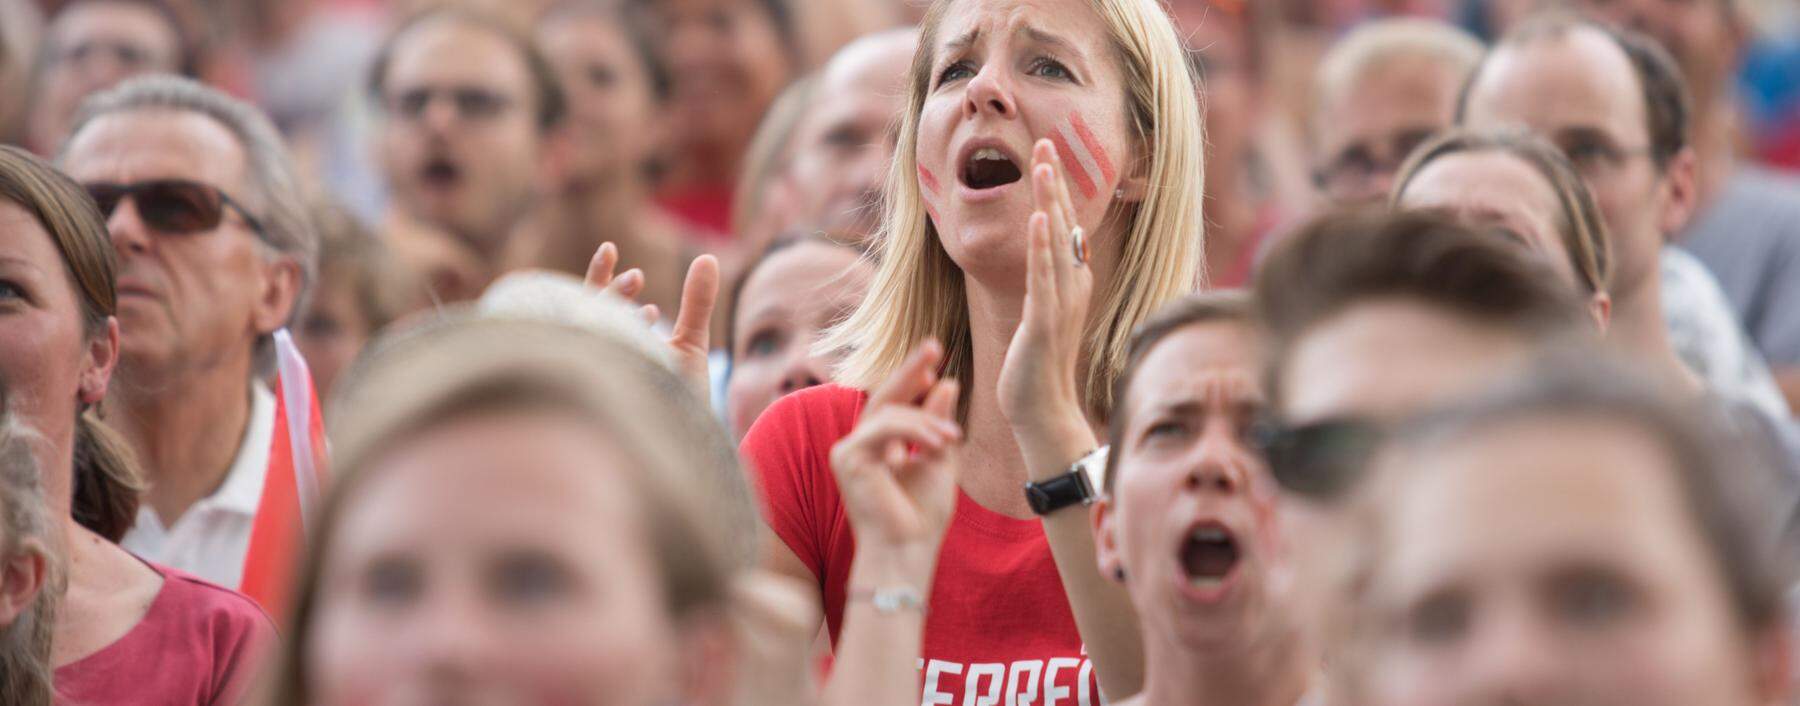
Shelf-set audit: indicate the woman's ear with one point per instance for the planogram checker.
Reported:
(22, 577)
(102, 357)
(1134, 186)
(1106, 540)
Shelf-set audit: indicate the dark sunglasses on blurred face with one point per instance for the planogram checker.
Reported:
(171, 206)
(473, 104)
(1319, 460)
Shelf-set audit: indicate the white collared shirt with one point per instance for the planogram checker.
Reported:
(211, 538)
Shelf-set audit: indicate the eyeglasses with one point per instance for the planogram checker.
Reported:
(1320, 460)
(473, 104)
(1358, 167)
(172, 206)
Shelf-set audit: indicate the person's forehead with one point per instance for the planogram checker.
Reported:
(1389, 358)
(23, 238)
(1198, 358)
(1488, 178)
(1069, 20)
(454, 50)
(1590, 482)
(112, 20)
(137, 145)
(1579, 78)
(876, 63)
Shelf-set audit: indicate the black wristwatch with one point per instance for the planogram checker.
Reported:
(1070, 488)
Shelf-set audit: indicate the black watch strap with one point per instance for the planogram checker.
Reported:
(1052, 494)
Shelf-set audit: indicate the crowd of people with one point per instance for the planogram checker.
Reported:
(893, 352)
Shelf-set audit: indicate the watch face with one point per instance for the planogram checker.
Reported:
(1094, 465)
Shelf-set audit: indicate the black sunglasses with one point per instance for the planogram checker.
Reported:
(172, 206)
(1320, 460)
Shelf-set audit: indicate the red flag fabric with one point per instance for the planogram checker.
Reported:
(291, 487)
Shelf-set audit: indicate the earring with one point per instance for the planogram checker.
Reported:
(1119, 574)
(1119, 193)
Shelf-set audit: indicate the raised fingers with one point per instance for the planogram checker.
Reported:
(600, 267)
(699, 294)
(912, 378)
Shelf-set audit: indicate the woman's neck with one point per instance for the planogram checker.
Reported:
(1272, 672)
(990, 446)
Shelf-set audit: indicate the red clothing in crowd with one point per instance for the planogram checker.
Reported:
(198, 644)
(998, 630)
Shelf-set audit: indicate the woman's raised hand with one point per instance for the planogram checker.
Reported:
(690, 338)
(896, 471)
(1038, 390)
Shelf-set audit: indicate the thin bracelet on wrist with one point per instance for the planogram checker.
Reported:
(891, 600)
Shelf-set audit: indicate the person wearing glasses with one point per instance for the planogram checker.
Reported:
(1371, 318)
(216, 249)
(92, 45)
(468, 103)
(1616, 105)
(1384, 89)
(1187, 519)
(1641, 575)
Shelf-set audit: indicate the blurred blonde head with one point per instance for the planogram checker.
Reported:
(681, 470)
(919, 293)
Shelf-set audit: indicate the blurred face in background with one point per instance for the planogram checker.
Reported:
(728, 60)
(493, 559)
(1580, 92)
(1603, 593)
(460, 141)
(1363, 132)
(1499, 190)
(844, 143)
(1191, 517)
(333, 329)
(1376, 362)
(613, 109)
(1705, 37)
(789, 298)
(91, 46)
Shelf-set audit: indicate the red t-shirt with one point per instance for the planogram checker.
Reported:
(998, 630)
(198, 644)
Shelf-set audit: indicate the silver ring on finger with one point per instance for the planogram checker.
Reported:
(1078, 241)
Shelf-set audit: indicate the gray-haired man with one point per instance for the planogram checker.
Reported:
(215, 253)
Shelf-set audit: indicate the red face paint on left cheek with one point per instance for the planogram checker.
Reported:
(1083, 155)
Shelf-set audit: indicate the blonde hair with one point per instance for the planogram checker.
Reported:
(919, 293)
(25, 674)
(697, 512)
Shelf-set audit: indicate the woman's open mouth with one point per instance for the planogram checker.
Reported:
(988, 167)
(1209, 557)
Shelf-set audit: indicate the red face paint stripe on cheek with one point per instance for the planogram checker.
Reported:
(1094, 147)
(928, 179)
(1072, 165)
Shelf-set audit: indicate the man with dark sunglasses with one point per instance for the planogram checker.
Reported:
(215, 252)
(468, 104)
(1373, 319)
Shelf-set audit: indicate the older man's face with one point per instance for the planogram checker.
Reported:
(188, 301)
